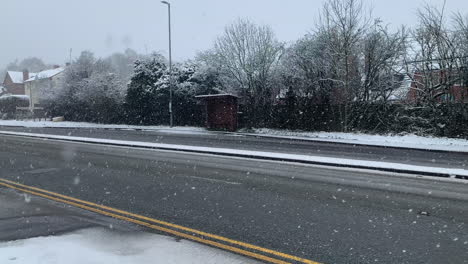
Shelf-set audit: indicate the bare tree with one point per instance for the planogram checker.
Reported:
(343, 23)
(435, 58)
(461, 29)
(382, 67)
(247, 55)
(307, 68)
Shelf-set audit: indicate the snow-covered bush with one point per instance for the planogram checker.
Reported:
(148, 93)
(91, 92)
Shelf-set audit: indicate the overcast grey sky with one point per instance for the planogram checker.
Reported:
(49, 28)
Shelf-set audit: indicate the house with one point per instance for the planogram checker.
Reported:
(456, 93)
(43, 84)
(411, 88)
(401, 94)
(3, 90)
(14, 81)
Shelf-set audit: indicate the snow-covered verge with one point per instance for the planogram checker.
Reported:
(99, 245)
(68, 124)
(401, 141)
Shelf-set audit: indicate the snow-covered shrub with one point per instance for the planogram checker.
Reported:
(91, 92)
(148, 93)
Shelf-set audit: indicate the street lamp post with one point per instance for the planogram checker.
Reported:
(170, 63)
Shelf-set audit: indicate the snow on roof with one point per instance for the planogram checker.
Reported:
(215, 95)
(401, 92)
(19, 96)
(45, 74)
(17, 77)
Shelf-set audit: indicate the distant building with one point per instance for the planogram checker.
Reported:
(3, 90)
(456, 93)
(401, 94)
(411, 90)
(14, 81)
(43, 84)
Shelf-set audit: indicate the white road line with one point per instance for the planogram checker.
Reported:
(215, 180)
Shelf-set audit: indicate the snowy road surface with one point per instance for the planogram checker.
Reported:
(323, 214)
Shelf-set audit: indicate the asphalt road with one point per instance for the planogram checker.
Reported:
(325, 149)
(24, 216)
(324, 214)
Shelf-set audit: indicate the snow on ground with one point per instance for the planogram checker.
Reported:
(403, 141)
(67, 124)
(98, 245)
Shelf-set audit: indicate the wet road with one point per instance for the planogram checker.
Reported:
(323, 214)
(220, 140)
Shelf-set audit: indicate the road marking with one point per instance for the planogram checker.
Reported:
(166, 230)
(68, 200)
(214, 180)
(39, 171)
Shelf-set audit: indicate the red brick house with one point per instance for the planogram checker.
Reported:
(412, 90)
(457, 93)
(3, 90)
(14, 81)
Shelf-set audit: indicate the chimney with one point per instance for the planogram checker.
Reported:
(25, 75)
(56, 66)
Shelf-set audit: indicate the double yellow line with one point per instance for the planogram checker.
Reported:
(235, 246)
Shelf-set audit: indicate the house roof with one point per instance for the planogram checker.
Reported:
(401, 92)
(17, 77)
(19, 96)
(45, 74)
(216, 95)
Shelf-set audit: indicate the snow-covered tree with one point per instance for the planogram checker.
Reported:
(90, 92)
(148, 92)
(32, 64)
(144, 96)
(123, 62)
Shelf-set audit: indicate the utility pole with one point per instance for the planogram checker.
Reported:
(171, 122)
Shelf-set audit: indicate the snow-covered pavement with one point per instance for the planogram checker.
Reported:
(68, 124)
(99, 245)
(400, 141)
